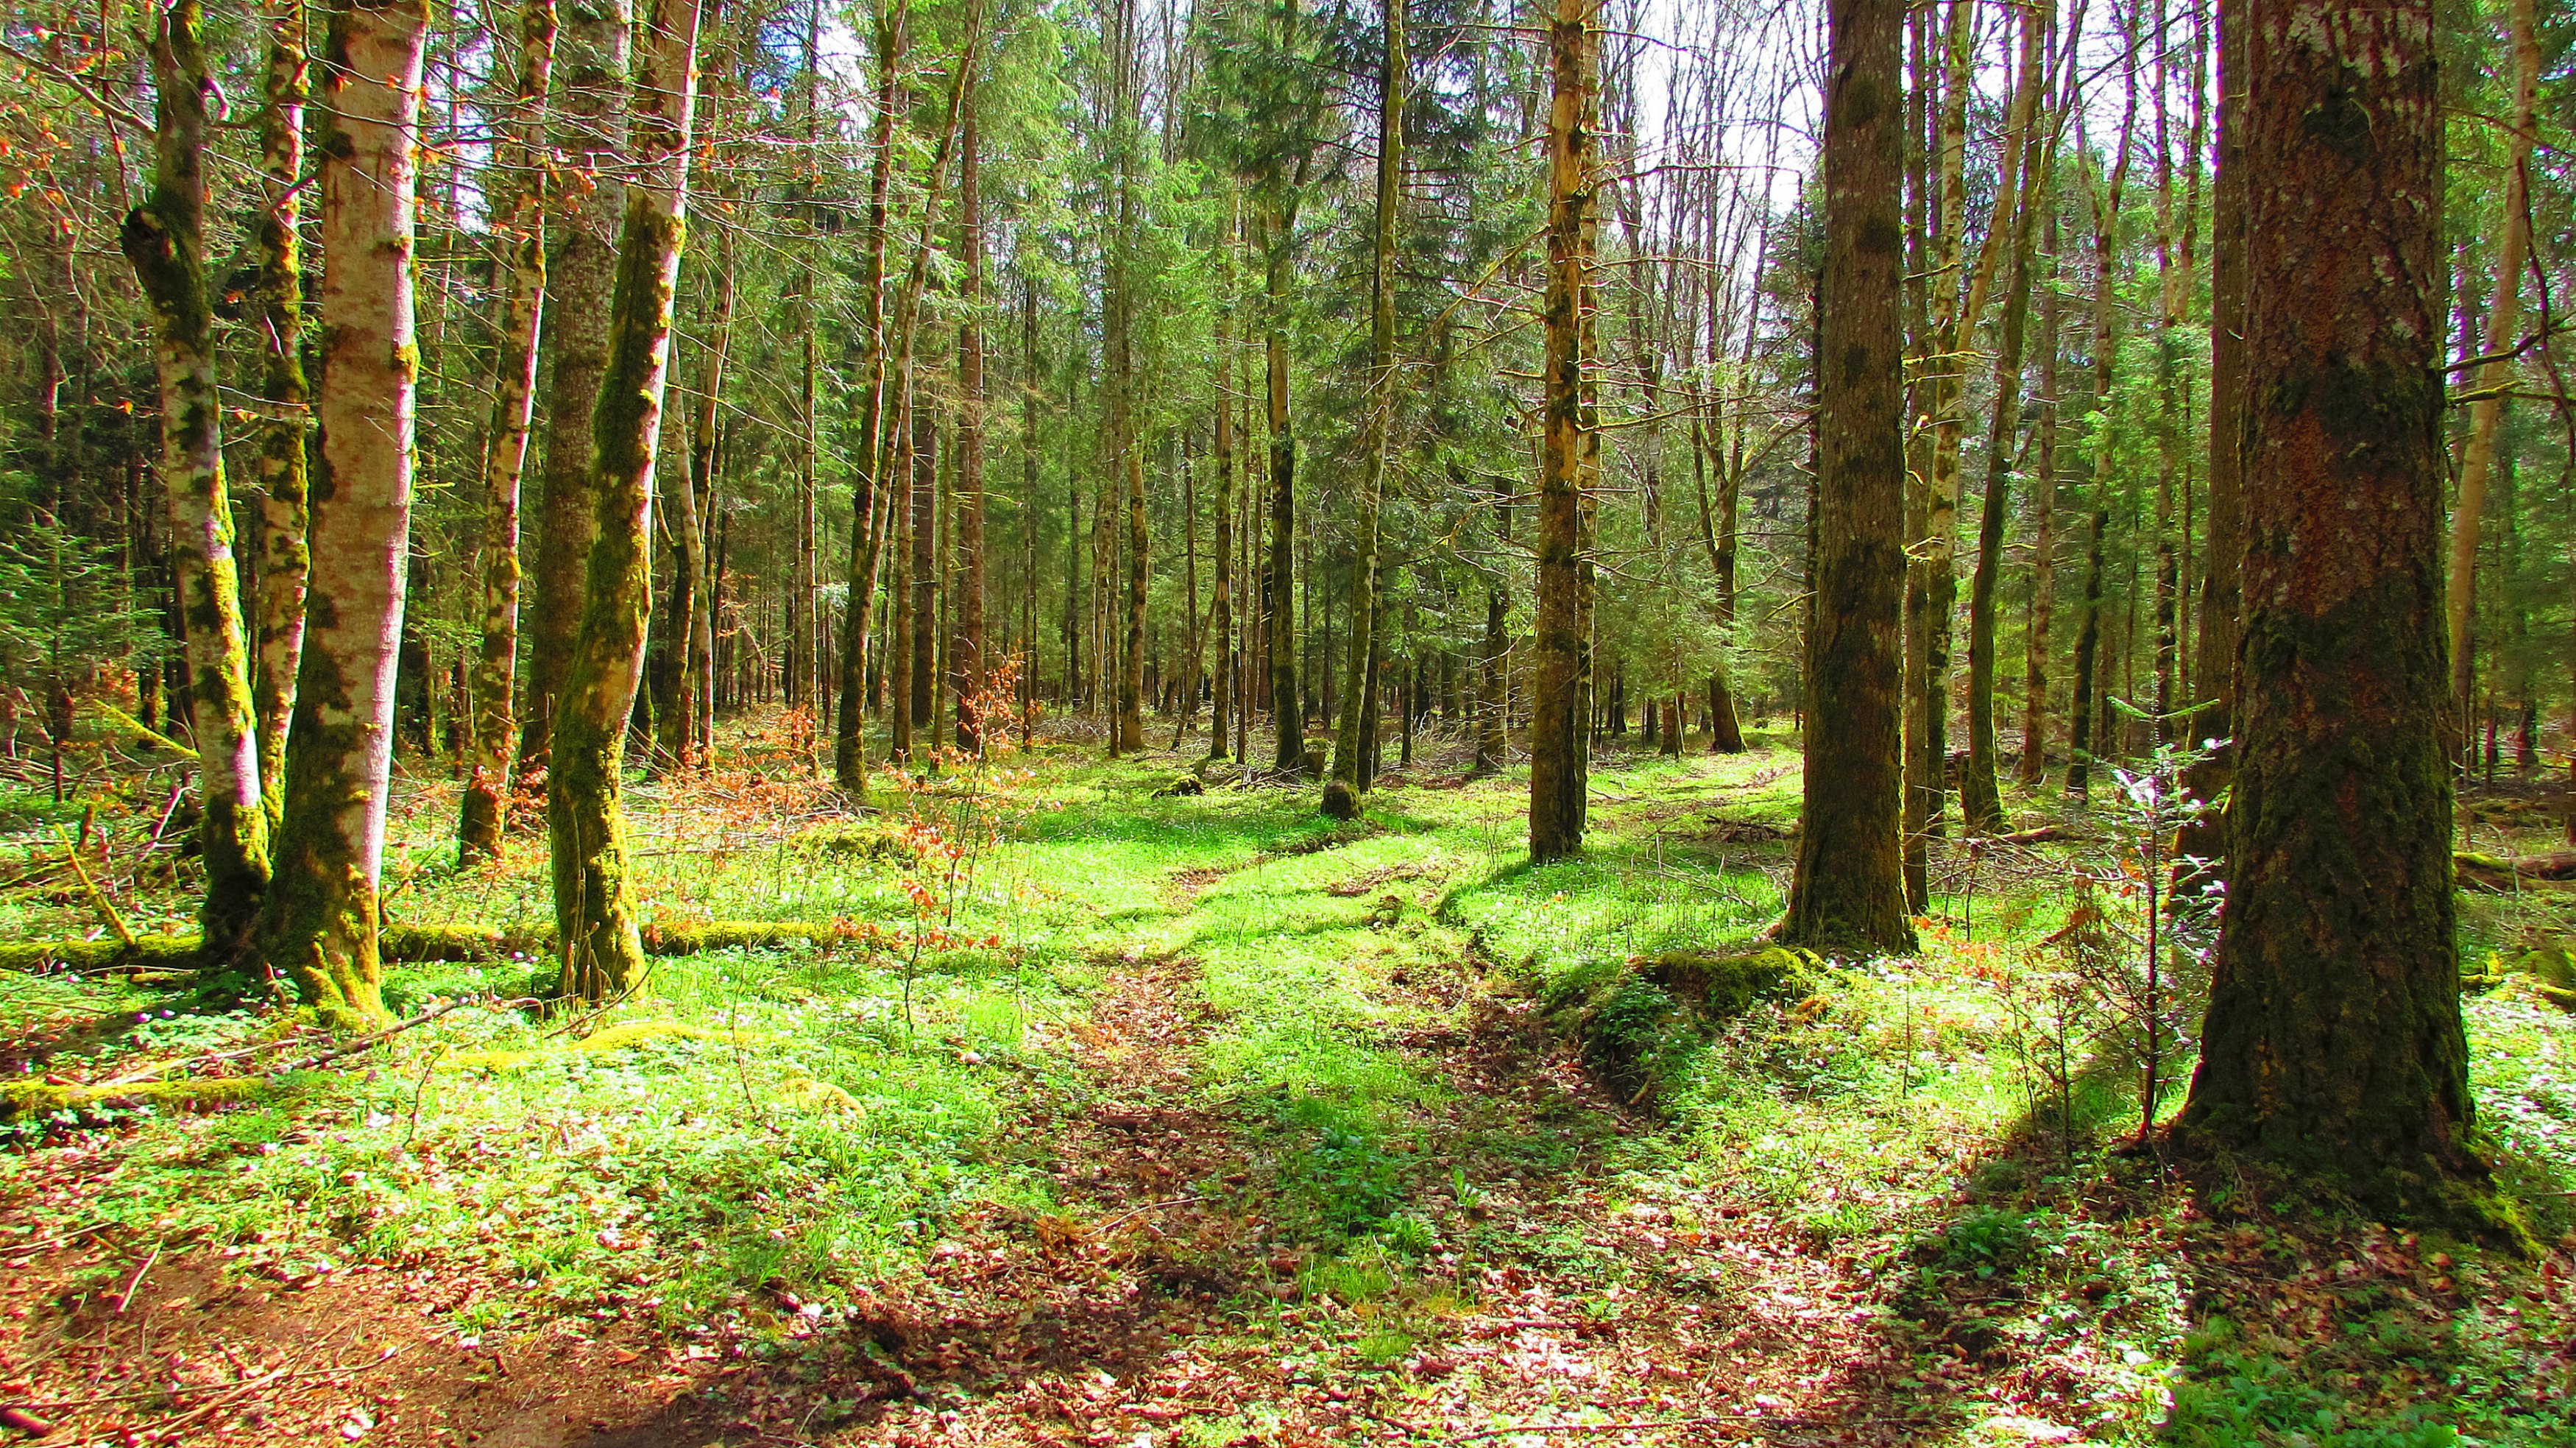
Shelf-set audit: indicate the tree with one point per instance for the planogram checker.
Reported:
(279, 467)
(1559, 729)
(1849, 889)
(596, 930)
(591, 59)
(165, 239)
(522, 267)
(319, 925)
(2334, 1043)
(1350, 742)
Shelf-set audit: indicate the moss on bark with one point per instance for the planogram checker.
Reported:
(30, 1100)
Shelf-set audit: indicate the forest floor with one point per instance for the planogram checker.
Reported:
(1152, 1119)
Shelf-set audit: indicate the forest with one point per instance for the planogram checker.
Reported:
(1253, 723)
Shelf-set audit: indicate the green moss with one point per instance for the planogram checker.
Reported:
(148, 952)
(1642, 1023)
(27, 1100)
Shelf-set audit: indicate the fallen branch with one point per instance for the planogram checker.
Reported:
(369, 1042)
(1616, 1427)
(2508, 872)
(98, 897)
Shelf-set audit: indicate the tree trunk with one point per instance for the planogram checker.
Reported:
(591, 54)
(2083, 725)
(1981, 804)
(1221, 605)
(684, 740)
(2221, 578)
(1350, 742)
(1286, 711)
(519, 230)
(279, 468)
(2334, 1043)
(1849, 890)
(2504, 319)
(321, 918)
(595, 903)
(2043, 512)
(966, 664)
(1558, 716)
(165, 239)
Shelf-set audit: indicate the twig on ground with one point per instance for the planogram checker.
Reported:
(1616, 1427)
(349, 1048)
(125, 1299)
(1138, 1211)
(27, 1249)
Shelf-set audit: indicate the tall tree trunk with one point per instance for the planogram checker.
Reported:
(2221, 579)
(1981, 804)
(595, 903)
(1849, 889)
(519, 230)
(165, 239)
(683, 739)
(1221, 712)
(867, 540)
(280, 465)
(966, 648)
(1349, 741)
(591, 56)
(1286, 711)
(2504, 319)
(922, 528)
(2083, 724)
(2334, 1043)
(2043, 511)
(321, 917)
(1558, 719)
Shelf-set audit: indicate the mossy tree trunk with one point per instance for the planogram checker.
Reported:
(1849, 890)
(1559, 733)
(1287, 718)
(1354, 739)
(165, 239)
(519, 231)
(2036, 653)
(595, 918)
(2221, 578)
(2107, 193)
(320, 924)
(2334, 1043)
(591, 59)
(279, 466)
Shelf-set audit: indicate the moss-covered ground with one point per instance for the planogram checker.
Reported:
(1113, 1115)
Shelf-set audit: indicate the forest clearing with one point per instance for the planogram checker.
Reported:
(1252, 1128)
(1176, 725)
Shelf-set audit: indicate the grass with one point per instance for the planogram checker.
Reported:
(787, 1126)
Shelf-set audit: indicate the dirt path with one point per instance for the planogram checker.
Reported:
(1166, 1297)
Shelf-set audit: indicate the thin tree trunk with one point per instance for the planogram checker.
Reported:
(867, 539)
(1351, 739)
(2082, 722)
(595, 903)
(321, 916)
(2504, 319)
(1849, 889)
(2334, 1043)
(1221, 700)
(966, 664)
(1981, 805)
(520, 232)
(1286, 705)
(165, 239)
(2043, 509)
(279, 467)
(682, 740)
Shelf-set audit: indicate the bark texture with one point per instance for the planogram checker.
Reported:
(1849, 890)
(2334, 1044)
(595, 906)
(1559, 738)
(321, 920)
(519, 233)
(592, 54)
(165, 239)
(279, 466)
(1352, 740)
